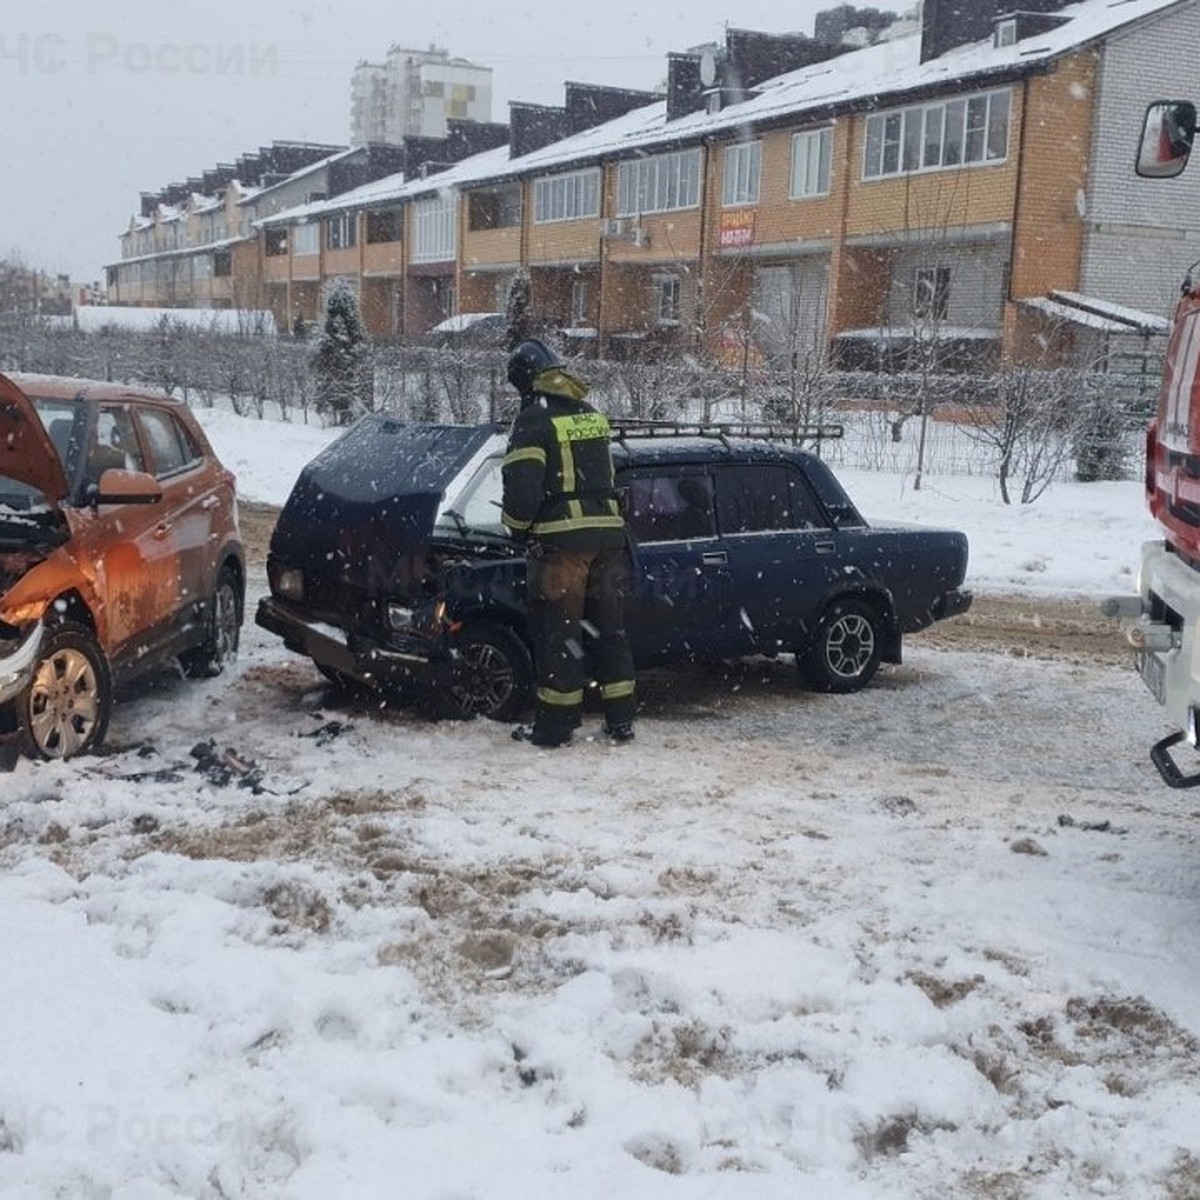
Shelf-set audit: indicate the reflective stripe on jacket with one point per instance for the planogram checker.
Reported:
(558, 475)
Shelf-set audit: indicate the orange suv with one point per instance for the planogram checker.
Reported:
(119, 551)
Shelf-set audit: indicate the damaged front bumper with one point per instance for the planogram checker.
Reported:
(415, 662)
(16, 668)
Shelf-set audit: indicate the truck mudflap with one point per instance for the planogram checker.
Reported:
(1160, 756)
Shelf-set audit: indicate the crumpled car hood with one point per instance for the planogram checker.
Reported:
(370, 499)
(26, 452)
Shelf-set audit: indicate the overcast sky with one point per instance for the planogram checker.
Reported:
(101, 102)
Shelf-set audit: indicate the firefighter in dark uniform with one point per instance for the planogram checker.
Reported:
(559, 499)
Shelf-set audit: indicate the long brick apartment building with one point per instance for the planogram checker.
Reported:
(970, 184)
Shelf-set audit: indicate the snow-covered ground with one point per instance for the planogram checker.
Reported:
(934, 939)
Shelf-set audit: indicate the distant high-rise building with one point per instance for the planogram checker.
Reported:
(412, 93)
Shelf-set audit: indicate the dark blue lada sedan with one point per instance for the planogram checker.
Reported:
(390, 569)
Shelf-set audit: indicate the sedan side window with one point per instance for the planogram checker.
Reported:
(670, 508)
(763, 498)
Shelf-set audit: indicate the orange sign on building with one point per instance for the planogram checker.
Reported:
(736, 228)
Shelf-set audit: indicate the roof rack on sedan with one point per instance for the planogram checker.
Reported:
(723, 432)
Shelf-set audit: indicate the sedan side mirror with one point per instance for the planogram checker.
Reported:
(1166, 141)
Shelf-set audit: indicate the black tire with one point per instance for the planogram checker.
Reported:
(64, 712)
(846, 648)
(223, 628)
(492, 676)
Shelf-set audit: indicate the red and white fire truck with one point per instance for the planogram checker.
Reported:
(1163, 621)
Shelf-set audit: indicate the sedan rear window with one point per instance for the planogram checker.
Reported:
(764, 498)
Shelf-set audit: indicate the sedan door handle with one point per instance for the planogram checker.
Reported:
(825, 547)
(210, 502)
(162, 530)
(714, 558)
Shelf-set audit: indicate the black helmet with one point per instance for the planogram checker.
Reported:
(527, 362)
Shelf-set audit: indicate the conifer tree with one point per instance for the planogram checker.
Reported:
(516, 310)
(342, 363)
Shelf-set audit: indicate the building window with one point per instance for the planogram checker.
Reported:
(494, 209)
(931, 294)
(306, 239)
(658, 184)
(811, 154)
(385, 225)
(931, 137)
(435, 229)
(1006, 32)
(666, 299)
(341, 230)
(579, 310)
(568, 197)
(275, 242)
(743, 166)
(222, 263)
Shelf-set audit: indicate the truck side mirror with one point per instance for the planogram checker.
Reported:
(1166, 141)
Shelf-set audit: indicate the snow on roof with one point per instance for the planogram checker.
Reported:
(395, 187)
(302, 172)
(894, 68)
(876, 75)
(1068, 314)
(179, 251)
(1144, 322)
(935, 333)
(202, 203)
(93, 317)
(463, 321)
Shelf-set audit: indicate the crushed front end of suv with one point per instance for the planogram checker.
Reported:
(390, 569)
(119, 551)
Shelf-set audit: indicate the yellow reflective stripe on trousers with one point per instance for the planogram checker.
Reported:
(616, 691)
(560, 699)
